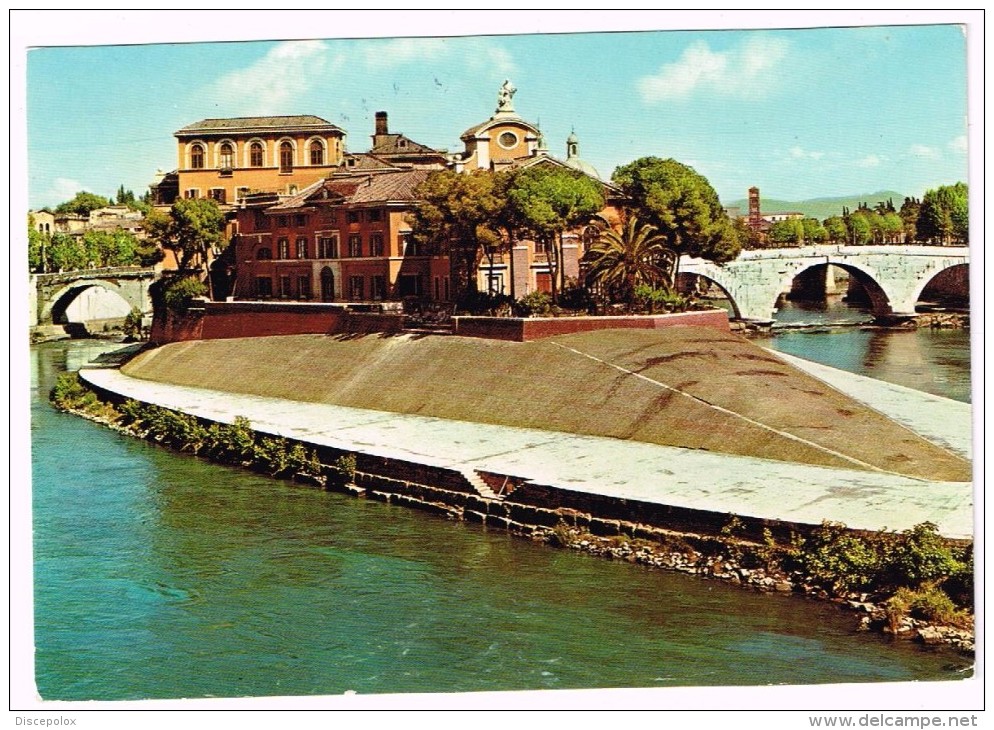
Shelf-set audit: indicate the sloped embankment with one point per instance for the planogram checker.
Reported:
(689, 387)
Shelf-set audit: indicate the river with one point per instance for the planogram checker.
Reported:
(159, 575)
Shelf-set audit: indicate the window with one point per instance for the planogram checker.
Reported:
(374, 215)
(263, 286)
(281, 221)
(304, 287)
(286, 157)
(300, 221)
(355, 288)
(227, 156)
(317, 153)
(263, 254)
(408, 246)
(355, 245)
(378, 287)
(327, 285)
(301, 248)
(328, 248)
(261, 221)
(192, 194)
(197, 157)
(376, 244)
(507, 140)
(255, 154)
(285, 287)
(354, 216)
(217, 194)
(283, 248)
(409, 285)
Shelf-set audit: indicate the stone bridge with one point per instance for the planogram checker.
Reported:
(893, 276)
(51, 294)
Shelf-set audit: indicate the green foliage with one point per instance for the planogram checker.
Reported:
(271, 454)
(345, 466)
(66, 253)
(180, 293)
(133, 325)
(840, 559)
(69, 392)
(944, 215)
(682, 206)
(82, 204)
(835, 229)
(534, 304)
(653, 300)
(636, 256)
(920, 556)
(928, 603)
(193, 230)
(576, 297)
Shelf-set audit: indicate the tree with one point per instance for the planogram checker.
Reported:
(193, 230)
(621, 261)
(859, 228)
(814, 232)
(835, 229)
(82, 204)
(682, 205)
(944, 215)
(909, 213)
(786, 232)
(67, 253)
(458, 216)
(551, 200)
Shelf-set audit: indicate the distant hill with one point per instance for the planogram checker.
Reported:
(820, 208)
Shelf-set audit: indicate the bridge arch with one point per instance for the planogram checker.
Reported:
(687, 282)
(55, 308)
(952, 271)
(867, 277)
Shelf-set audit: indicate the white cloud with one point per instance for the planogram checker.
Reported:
(399, 51)
(959, 144)
(869, 161)
(925, 152)
(801, 154)
(64, 188)
(744, 71)
(275, 82)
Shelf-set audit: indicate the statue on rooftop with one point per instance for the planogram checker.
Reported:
(504, 103)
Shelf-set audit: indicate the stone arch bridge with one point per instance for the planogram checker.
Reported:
(893, 276)
(51, 294)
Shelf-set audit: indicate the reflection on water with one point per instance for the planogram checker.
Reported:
(159, 575)
(933, 361)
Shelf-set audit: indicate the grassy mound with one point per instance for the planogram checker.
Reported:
(688, 386)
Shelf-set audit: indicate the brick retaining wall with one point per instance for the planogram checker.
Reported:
(536, 328)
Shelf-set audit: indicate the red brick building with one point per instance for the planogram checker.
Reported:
(345, 238)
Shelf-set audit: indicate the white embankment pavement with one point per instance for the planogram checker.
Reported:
(684, 478)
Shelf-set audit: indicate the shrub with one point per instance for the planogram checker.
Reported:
(345, 465)
(482, 303)
(272, 455)
(919, 556)
(68, 391)
(840, 559)
(133, 325)
(928, 603)
(576, 297)
(534, 304)
(179, 293)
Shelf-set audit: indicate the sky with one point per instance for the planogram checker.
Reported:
(800, 113)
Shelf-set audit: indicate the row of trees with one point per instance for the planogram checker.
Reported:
(942, 217)
(83, 203)
(64, 252)
(669, 210)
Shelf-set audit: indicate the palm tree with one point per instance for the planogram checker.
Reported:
(620, 261)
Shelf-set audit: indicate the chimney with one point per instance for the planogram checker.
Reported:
(381, 123)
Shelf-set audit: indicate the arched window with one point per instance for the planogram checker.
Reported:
(197, 157)
(227, 155)
(286, 157)
(317, 153)
(263, 254)
(255, 154)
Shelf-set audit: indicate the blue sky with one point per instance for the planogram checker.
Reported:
(800, 113)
